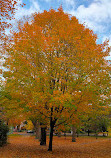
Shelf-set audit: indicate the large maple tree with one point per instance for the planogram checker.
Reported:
(56, 65)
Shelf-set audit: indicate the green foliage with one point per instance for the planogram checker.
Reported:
(99, 123)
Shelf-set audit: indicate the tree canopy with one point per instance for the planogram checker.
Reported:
(57, 67)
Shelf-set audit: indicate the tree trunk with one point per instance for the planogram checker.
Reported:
(73, 134)
(37, 130)
(59, 134)
(107, 133)
(43, 136)
(52, 123)
(96, 134)
(88, 132)
(77, 134)
(103, 134)
(65, 135)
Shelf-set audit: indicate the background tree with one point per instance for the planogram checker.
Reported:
(7, 11)
(96, 120)
(12, 112)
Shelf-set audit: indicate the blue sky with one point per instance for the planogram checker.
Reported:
(95, 13)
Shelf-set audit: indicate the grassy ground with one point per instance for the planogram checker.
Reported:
(84, 147)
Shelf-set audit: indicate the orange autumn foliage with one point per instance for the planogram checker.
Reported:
(57, 66)
(7, 11)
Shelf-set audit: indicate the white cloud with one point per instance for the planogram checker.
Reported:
(23, 11)
(97, 16)
(97, 13)
(67, 3)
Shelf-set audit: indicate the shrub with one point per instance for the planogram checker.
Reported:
(3, 133)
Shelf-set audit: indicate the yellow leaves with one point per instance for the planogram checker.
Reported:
(29, 125)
